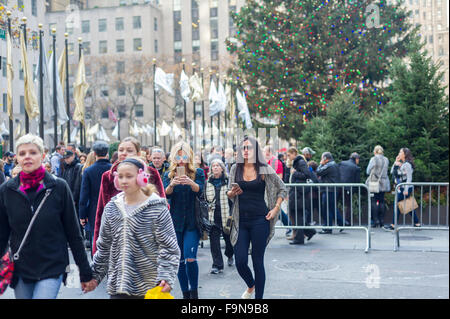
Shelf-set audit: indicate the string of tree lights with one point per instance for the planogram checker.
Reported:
(292, 56)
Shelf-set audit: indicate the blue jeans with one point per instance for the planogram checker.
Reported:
(42, 289)
(255, 231)
(188, 272)
(330, 210)
(400, 197)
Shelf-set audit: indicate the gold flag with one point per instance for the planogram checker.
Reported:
(62, 68)
(31, 103)
(9, 75)
(80, 88)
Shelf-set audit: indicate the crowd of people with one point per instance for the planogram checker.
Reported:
(143, 212)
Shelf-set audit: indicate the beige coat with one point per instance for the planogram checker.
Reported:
(275, 189)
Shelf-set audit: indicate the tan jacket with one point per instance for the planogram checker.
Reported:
(275, 188)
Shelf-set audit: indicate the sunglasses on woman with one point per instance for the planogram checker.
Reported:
(247, 147)
(184, 157)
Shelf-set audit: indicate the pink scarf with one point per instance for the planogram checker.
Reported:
(32, 180)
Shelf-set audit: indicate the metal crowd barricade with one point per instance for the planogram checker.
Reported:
(424, 201)
(354, 215)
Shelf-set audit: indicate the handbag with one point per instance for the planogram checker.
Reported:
(8, 260)
(201, 212)
(228, 225)
(407, 205)
(374, 186)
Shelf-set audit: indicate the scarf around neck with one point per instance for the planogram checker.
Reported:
(32, 180)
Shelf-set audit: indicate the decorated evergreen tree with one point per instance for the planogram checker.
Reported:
(293, 55)
(416, 117)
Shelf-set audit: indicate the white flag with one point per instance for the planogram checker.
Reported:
(222, 97)
(196, 88)
(115, 132)
(243, 109)
(214, 104)
(184, 86)
(62, 115)
(163, 80)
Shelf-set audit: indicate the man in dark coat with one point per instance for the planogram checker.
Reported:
(349, 172)
(70, 171)
(328, 173)
(90, 187)
(298, 195)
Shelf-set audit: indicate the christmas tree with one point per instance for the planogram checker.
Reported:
(293, 55)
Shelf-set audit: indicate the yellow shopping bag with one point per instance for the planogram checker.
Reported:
(156, 293)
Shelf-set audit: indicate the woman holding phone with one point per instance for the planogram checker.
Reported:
(183, 182)
(257, 193)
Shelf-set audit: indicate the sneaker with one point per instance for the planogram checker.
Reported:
(215, 271)
(248, 295)
(326, 231)
(388, 227)
(230, 261)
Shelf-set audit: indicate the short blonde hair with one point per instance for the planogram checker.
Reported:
(30, 139)
(378, 150)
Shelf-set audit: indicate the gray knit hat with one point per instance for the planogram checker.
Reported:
(308, 150)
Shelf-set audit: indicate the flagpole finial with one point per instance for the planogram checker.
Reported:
(80, 40)
(183, 60)
(53, 31)
(66, 35)
(40, 25)
(24, 19)
(8, 13)
(154, 60)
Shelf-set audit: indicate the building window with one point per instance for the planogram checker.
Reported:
(20, 5)
(120, 67)
(4, 67)
(177, 46)
(105, 114)
(88, 70)
(121, 90)
(214, 28)
(85, 26)
(87, 47)
(120, 45)
(156, 46)
(430, 39)
(119, 24)
(5, 102)
(70, 48)
(213, 12)
(176, 4)
(101, 25)
(155, 24)
(22, 104)
(104, 69)
(137, 22)
(214, 50)
(34, 8)
(104, 90)
(102, 47)
(139, 110)
(195, 34)
(138, 88)
(137, 44)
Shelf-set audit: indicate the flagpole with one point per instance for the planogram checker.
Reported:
(203, 110)
(24, 27)
(184, 104)
(194, 133)
(154, 99)
(55, 101)
(211, 118)
(11, 122)
(80, 48)
(67, 86)
(41, 83)
(218, 113)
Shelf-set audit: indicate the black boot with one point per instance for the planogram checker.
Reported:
(381, 213)
(194, 294)
(186, 295)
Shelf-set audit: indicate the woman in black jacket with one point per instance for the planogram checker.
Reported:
(43, 260)
(300, 197)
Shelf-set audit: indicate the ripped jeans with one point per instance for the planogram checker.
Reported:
(188, 272)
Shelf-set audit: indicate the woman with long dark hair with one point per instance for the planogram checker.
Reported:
(402, 170)
(257, 193)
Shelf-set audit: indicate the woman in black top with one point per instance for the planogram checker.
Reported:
(255, 217)
(44, 258)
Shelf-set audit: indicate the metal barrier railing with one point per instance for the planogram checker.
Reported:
(325, 202)
(424, 201)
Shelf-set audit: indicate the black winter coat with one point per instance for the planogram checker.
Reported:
(328, 173)
(300, 176)
(45, 254)
(71, 173)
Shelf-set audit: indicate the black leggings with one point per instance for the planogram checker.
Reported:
(254, 231)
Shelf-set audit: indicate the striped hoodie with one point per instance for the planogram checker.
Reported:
(138, 249)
